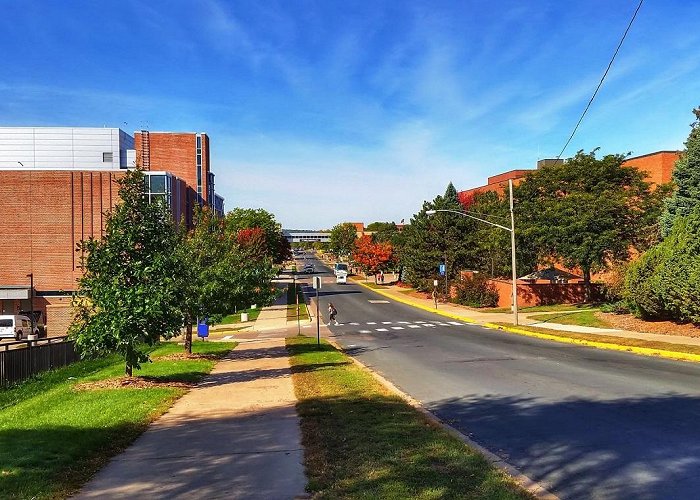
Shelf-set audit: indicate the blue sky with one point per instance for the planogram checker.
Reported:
(326, 111)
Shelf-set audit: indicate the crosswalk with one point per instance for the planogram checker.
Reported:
(390, 326)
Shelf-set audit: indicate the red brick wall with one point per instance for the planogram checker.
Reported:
(658, 166)
(541, 293)
(176, 153)
(48, 213)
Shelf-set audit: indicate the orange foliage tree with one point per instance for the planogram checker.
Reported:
(372, 257)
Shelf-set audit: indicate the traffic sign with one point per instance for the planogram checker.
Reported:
(317, 282)
(442, 269)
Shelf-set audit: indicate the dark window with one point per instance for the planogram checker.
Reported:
(157, 183)
(107, 157)
(5, 323)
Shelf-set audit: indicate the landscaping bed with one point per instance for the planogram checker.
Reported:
(629, 322)
(580, 318)
(363, 441)
(58, 429)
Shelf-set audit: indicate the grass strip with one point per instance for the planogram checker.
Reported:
(54, 437)
(362, 441)
(580, 318)
(549, 308)
(610, 339)
(291, 305)
(236, 318)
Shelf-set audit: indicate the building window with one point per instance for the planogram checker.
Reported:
(159, 187)
(107, 157)
(199, 166)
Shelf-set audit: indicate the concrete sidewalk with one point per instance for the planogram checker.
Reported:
(484, 318)
(236, 435)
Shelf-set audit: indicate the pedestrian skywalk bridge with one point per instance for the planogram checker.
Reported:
(389, 326)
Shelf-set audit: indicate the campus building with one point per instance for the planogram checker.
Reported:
(658, 167)
(56, 183)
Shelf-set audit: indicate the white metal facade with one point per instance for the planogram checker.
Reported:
(65, 148)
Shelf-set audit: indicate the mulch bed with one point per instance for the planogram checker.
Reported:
(130, 383)
(179, 356)
(629, 322)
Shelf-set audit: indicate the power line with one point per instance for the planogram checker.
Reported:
(634, 16)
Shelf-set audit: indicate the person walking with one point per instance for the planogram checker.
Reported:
(332, 312)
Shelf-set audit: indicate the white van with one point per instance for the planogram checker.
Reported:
(340, 267)
(15, 327)
(341, 277)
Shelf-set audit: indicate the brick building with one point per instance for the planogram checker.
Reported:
(55, 186)
(658, 166)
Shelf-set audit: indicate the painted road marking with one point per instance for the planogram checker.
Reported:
(365, 331)
(386, 322)
(371, 323)
(397, 327)
(419, 321)
(430, 325)
(414, 326)
(456, 323)
(402, 322)
(378, 301)
(227, 337)
(382, 330)
(354, 324)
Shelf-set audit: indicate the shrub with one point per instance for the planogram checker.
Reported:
(613, 289)
(619, 307)
(665, 281)
(476, 291)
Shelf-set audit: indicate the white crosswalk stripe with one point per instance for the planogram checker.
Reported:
(456, 323)
(386, 322)
(414, 326)
(397, 327)
(371, 323)
(365, 331)
(382, 330)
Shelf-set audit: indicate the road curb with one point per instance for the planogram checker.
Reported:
(521, 479)
(642, 351)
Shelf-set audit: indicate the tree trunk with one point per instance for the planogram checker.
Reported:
(128, 369)
(188, 337)
(587, 284)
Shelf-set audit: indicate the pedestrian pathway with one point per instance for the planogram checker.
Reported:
(235, 436)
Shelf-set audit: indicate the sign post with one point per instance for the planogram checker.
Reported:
(317, 287)
(435, 284)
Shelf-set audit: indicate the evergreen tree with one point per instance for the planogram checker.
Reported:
(686, 177)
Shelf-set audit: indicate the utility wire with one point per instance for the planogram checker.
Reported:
(634, 16)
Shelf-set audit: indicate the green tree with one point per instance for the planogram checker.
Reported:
(665, 281)
(128, 296)
(429, 239)
(224, 271)
(686, 177)
(585, 212)
(249, 218)
(342, 239)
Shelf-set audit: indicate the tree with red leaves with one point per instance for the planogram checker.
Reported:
(253, 241)
(372, 257)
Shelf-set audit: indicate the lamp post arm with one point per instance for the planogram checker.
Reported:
(470, 216)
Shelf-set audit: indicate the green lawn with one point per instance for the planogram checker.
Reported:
(582, 318)
(362, 441)
(552, 307)
(53, 437)
(236, 318)
(291, 305)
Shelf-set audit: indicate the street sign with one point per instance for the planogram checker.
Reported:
(435, 282)
(442, 269)
(317, 282)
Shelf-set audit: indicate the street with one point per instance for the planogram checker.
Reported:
(585, 423)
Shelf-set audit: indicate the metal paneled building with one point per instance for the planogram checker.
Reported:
(65, 148)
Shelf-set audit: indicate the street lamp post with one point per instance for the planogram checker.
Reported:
(510, 229)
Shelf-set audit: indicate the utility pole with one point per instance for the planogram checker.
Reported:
(512, 250)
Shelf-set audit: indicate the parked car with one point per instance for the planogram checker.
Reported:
(16, 327)
(38, 321)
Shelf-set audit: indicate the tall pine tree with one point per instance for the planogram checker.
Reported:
(687, 179)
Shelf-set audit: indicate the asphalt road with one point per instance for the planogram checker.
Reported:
(585, 423)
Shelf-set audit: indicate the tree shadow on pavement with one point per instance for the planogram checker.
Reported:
(580, 447)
